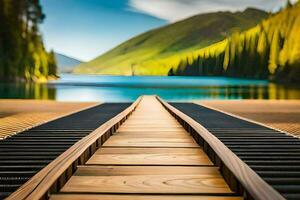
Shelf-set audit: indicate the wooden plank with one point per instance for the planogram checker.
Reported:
(150, 156)
(196, 150)
(144, 170)
(151, 128)
(150, 135)
(153, 117)
(153, 133)
(127, 141)
(147, 122)
(158, 115)
(146, 179)
(139, 197)
(150, 120)
(142, 126)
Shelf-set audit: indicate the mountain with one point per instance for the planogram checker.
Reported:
(66, 64)
(153, 52)
(270, 50)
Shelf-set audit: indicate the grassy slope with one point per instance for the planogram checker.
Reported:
(154, 52)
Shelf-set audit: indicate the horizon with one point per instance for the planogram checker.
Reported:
(93, 40)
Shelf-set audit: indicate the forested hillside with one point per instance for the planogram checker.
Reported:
(22, 53)
(270, 50)
(153, 52)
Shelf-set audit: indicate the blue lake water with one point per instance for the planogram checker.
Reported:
(122, 88)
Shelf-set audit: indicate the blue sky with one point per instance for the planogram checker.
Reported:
(85, 29)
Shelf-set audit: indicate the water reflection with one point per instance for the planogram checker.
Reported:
(116, 89)
(26, 91)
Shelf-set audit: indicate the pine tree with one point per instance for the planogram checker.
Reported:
(263, 54)
(226, 57)
(274, 53)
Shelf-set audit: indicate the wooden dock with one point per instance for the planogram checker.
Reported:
(151, 149)
(150, 154)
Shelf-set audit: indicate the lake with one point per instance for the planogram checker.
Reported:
(123, 88)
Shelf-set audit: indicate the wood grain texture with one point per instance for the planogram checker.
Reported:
(146, 179)
(150, 156)
(87, 170)
(19, 115)
(139, 197)
(152, 184)
(251, 182)
(153, 134)
(140, 141)
(131, 121)
(151, 126)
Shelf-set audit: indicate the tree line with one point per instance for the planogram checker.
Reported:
(271, 50)
(22, 52)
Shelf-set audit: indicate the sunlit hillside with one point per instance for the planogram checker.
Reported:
(269, 50)
(154, 52)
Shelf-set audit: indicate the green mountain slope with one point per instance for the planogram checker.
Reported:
(152, 53)
(270, 50)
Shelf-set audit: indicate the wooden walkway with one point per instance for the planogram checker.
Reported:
(151, 156)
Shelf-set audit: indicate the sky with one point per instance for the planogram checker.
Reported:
(85, 29)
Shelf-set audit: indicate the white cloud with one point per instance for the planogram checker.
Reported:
(174, 10)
